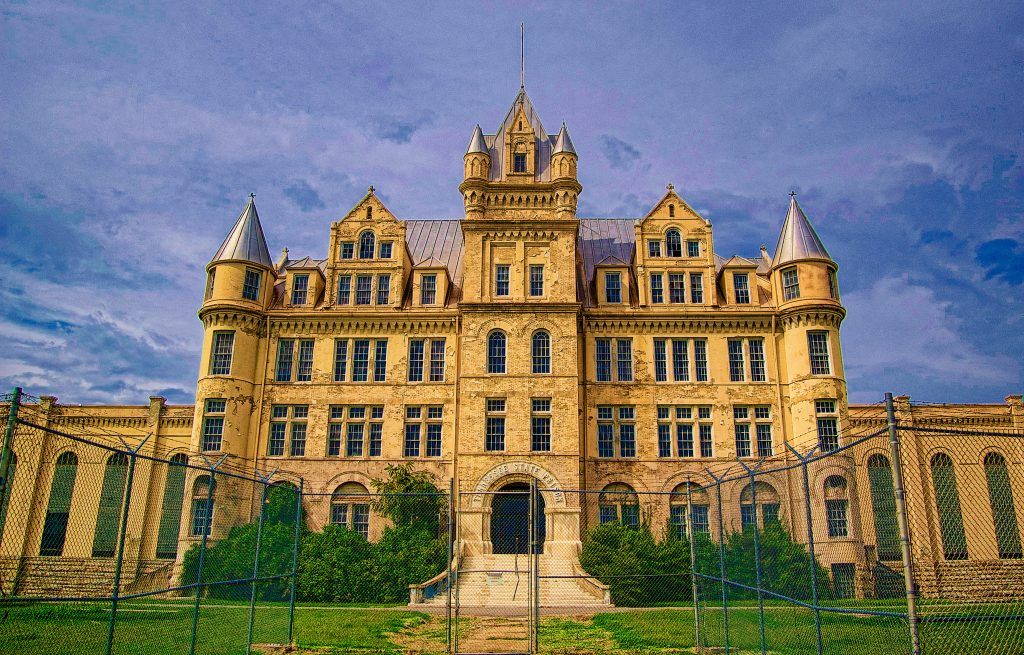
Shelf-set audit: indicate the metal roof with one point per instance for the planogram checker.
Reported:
(601, 240)
(439, 240)
(245, 242)
(798, 239)
(542, 145)
(563, 143)
(477, 143)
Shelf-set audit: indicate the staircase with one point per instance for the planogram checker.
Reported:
(492, 581)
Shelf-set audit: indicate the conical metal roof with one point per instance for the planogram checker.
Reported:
(477, 143)
(798, 239)
(563, 143)
(245, 242)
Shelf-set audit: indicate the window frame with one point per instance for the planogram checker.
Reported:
(250, 289)
(222, 354)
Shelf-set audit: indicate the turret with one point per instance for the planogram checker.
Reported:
(478, 157)
(802, 271)
(563, 156)
(241, 270)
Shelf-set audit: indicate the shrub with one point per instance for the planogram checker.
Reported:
(640, 570)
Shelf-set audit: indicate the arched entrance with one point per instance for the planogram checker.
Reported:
(510, 519)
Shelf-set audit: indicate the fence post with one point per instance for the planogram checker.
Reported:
(904, 526)
(721, 557)
(207, 528)
(693, 566)
(295, 559)
(451, 544)
(757, 555)
(256, 567)
(125, 506)
(810, 548)
(5, 452)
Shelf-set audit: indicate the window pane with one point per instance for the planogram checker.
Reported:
(756, 351)
(541, 352)
(696, 288)
(496, 352)
(433, 440)
(354, 441)
(366, 245)
(790, 284)
(300, 285)
(416, 360)
(285, 350)
(700, 360)
(817, 345)
(340, 360)
(383, 289)
(680, 361)
(223, 343)
(660, 372)
(437, 360)
(495, 437)
(736, 373)
(304, 373)
(251, 285)
(536, 280)
(741, 286)
(624, 359)
(605, 440)
(501, 286)
(612, 288)
(360, 360)
(380, 361)
(412, 440)
(298, 442)
(673, 244)
(428, 289)
(657, 288)
(603, 356)
(364, 289)
(676, 288)
(344, 289)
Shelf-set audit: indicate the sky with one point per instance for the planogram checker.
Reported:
(131, 135)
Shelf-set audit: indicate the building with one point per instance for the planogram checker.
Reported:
(517, 342)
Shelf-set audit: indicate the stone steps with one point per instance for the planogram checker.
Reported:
(503, 580)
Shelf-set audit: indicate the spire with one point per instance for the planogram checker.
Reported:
(477, 143)
(522, 56)
(798, 239)
(245, 242)
(563, 143)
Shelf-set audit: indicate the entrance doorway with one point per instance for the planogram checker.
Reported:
(510, 520)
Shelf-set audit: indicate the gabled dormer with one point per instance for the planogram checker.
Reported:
(368, 260)
(430, 284)
(304, 283)
(740, 284)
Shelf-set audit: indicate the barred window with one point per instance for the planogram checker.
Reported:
(352, 424)
(287, 424)
(364, 289)
(693, 249)
(883, 506)
(496, 342)
(300, 289)
(687, 424)
(170, 512)
(428, 289)
(420, 421)
(540, 424)
(612, 288)
(384, 250)
(366, 245)
(676, 288)
(437, 360)
(828, 425)
(383, 289)
(220, 359)
(501, 276)
(494, 437)
(536, 280)
(340, 360)
(741, 285)
(251, 285)
(541, 352)
(697, 288)
(817, 348)
(344, 289)
(213, 424)
(790, 284)
(653, 248)
(673, 243)
(624, 359)
(657, 288)
(380, 361)
(616, 423)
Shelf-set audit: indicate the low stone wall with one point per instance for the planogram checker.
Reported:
(80, 577)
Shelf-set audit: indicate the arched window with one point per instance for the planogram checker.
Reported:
(170, 515)
(279, 505)
(108, 518)
(367, 242)
(883, 506)
(618, 502)
(541, 352)
(1000, 498)
(496, 352)
(837, 504)
(6, 500)
(698, 505)
(350, 508)
(55, 527)
(673, 243)
(767, 503)
(947, 501)
(202, 506)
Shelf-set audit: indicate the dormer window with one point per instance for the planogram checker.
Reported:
(366, 245)
(251, 285)
(693, 248)
(673, 243)
(741, 285)
(384, 250)
(428, 289)
(347, 250)
(300, 289)
(613, 288)
(519, 162)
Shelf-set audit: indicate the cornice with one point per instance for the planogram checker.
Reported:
(704, 325)
(364, 325)
(224, 316)
(830, 315)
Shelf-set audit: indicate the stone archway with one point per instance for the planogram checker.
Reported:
(510, 520)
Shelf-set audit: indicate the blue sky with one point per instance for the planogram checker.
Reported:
(131, 135)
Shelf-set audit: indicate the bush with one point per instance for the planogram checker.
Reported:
(640, 570)
(334, 567)
(785, 564)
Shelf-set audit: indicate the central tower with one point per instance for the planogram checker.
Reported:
(519, 393)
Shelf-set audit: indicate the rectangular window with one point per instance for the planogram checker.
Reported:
(817, 348)
(741, 285)
(536, 280)
(624, 359)
(657, 288)
(340, 359)
(275, 447)
(437, 360)
(680, 361)
(608, 514)
(364, 289)
(304, 369)
(693, 248)
(603, 358)
(540, 425)
(653, 248)
(790, 284)
(747, 516)
(736, 373)
(706, 440)
(828, 425)
(285, 359)
(494, 437)
(833, 288)
(616, 422)
(300, 289)
(743, 440)
(428, 289)
(501, 285)
(376, 436)
(701, 524)
(684, 440)
(384, 250)
(348, 250)
(664, 440)
(251, 285)
(627, 440)
(770, 513)
(344, 289)
(354, 421)
(209, 284)
(287, 420)
(684, 423)
(297, 446)
(835, 510)
(380, 361)
(412, 439)
(755, 350)
(765, 446)
(360, 360)
(605, 440)
(383, 289)
(676, 288)
(700, 360)
(613, 288)
(202, 517)
(756, 420)
(519, 162)
(416, 360)
(213, 424)
(697, 288)
(433, 439)
(660, 365)
(220, 359)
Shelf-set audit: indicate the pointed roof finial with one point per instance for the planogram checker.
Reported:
(670, 187)
(370, 189)
(522, 55)
(252, 195)
(245, 242)
(798, 239)
(792, 194)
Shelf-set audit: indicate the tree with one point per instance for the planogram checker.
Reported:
(410, 498)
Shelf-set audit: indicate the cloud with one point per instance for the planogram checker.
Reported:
(1003, 259)
(619, 154)
(304, 196)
